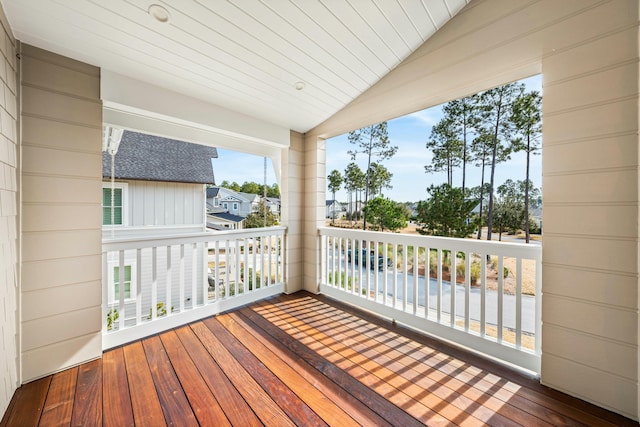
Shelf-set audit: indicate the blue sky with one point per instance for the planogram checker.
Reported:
(409, 181)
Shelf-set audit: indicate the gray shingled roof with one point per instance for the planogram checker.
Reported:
(152, 158)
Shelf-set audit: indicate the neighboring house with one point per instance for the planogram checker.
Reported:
(273, 203)
(221, 220)
(158, 183)
(157, 188)
(333, 209)
(233, 202)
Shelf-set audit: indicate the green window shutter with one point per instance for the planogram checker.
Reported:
(117, 206)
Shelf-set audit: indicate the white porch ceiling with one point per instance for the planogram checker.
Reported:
(244, 55)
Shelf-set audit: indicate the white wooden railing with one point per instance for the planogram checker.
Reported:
(172, 280)
(408, 278)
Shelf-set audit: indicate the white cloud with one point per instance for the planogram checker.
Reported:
(427, 117)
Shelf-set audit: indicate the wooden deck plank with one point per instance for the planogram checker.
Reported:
(87, 407)
(428, 408)
(173, 401)
(262, 364)
(521, 391)
(388, 411)
(233, 404)
(406, 370)
(267, 410)
(205, 406)
(59, 403)
(361, 413)
(29, 404)
(115, 390)
(144, 398)
(295, 408)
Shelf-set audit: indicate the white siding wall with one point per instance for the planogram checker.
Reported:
(9, 362)
(588, 53)
(61, 210)
(165, 204)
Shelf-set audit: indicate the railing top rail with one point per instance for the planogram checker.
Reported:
(522, 250)
(175, 239)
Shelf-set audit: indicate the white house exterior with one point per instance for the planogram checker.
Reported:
(159, 187)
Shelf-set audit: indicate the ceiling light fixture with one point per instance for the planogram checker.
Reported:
(299, 85)
(159, 13)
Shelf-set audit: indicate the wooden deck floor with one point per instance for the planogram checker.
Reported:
(294, 360)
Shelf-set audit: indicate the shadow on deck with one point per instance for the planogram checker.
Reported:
(294, 360)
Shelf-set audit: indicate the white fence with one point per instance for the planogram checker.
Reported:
(151, 284)
(478, 294)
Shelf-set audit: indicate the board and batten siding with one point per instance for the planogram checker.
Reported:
(153, 203)
(9, 211)
(588, 54)
(61, 289)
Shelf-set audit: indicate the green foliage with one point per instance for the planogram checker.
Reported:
(446, 148)
(252, 188)
(385, 214)
(379, 178)
(161, 310)
(261, 217)
(446, 213)
(112, 317)
(344, 280)
(230, 185)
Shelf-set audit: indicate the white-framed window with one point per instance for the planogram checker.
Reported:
(216, 202)
(225, 205)
(128, 284)
(235, 206)
(119, 195)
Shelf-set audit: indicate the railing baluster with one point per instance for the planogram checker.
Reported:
(500, 297)
(405, 277)
(452, 288)
(519, 302)
(394, 292)
(154, 282)
(182, 283)
(467, 289)
(483, 294)
(168, 280)
(138, 286)
(439, 296)
(427, 280)
(416, 278)
(194, 275)
(538, 309)
(121, 308)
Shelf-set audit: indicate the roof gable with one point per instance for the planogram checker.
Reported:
(153, 158)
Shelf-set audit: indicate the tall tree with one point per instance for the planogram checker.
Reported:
(385, 214)
(482, 151)
(497, 105)
(379, 178)
(527, 122)
(446, 148)
(354, 180)
(335, 181)
(464, 119)
(372, 141)
(446, 212)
